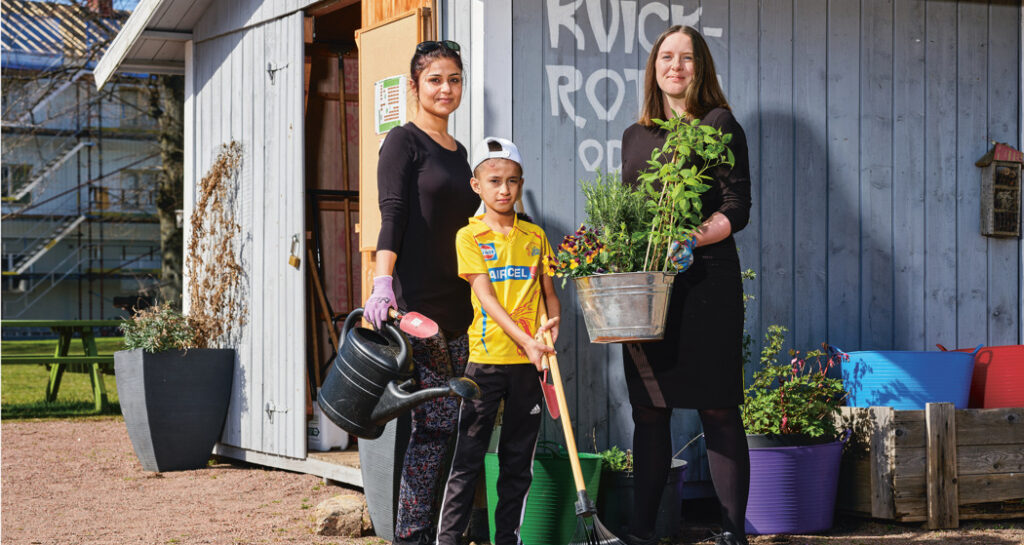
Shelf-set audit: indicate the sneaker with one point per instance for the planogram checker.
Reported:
(729, 538)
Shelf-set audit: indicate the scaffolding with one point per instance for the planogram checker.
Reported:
(79, 167)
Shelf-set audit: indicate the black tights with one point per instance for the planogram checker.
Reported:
(652, 458)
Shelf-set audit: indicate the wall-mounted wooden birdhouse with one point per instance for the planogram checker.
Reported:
(1000, 191)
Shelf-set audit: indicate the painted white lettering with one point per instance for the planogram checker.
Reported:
(559, 92)
(606, 114)
(563, 15)
(614, 155)
(679, 16)
(658, 10)
(629, 24)
(637, 77)
(588, 164)
(605, 37)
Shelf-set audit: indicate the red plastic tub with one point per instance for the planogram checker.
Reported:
(998, 379)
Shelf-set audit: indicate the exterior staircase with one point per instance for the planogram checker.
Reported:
(63, 154)
(38, 247)
(31, 291)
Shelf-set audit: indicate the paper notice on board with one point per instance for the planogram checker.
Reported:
(389, 103)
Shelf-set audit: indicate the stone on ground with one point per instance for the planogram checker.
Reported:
(343, 515)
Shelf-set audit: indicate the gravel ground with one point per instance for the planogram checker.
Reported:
(78, 481)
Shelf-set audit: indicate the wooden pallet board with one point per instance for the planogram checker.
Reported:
(938, 466)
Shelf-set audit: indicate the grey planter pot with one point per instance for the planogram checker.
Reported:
(615, 501)
(174, 404)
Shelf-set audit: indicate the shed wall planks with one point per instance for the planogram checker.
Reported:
(864, 227)
(1004, 61)
(238, 98)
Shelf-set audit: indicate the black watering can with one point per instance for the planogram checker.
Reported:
(371, 380)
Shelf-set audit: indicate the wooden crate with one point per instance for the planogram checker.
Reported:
(938, 465)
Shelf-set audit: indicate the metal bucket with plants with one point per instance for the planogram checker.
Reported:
(622, 263)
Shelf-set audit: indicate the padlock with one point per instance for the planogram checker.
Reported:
(293, 259)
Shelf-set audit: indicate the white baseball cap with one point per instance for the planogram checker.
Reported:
(492, 147)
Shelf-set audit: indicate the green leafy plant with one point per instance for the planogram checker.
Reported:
(794, 398)
(615, 459)
(157, 329)
(619, 215)
(676, 178)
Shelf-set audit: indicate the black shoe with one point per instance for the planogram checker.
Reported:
(729, 538)
(631, 539)
(417, 538)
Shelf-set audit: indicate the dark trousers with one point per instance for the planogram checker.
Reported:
(437, 359)
(518, 385)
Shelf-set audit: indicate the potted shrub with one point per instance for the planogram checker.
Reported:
(621, 263)
(174, 376)
(616, 495)
(789, 412)
(174, 395)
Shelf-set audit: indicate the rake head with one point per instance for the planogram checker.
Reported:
(590, 531)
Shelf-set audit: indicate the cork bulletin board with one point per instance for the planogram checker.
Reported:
(384, 52)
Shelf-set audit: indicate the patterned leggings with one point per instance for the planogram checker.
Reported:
(433, 427)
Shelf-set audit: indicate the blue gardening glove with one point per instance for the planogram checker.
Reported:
(381, 299)
(681, 253)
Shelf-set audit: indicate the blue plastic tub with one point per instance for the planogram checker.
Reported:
(907, 380)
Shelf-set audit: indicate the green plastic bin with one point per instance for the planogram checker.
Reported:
(551, 506)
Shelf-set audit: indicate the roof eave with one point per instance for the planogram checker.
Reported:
(113, 59)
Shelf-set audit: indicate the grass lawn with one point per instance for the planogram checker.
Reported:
(23, 387)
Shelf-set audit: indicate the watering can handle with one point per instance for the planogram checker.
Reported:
(350, 321)
(387, 328)
(940, 347)
(977, 349)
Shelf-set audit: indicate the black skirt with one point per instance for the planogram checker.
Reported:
(699, 364)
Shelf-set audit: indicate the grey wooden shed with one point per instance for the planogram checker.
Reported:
(863, 118)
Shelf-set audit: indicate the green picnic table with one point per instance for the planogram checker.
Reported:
(60, 360)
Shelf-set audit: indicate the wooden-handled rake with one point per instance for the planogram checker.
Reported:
(589, 530)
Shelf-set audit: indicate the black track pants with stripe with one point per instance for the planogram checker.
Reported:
(517, 384)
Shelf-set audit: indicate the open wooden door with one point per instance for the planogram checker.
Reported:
(384, 52)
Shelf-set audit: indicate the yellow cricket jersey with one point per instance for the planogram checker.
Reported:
(514, 263)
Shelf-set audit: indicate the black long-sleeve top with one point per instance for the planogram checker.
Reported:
(730, 187)
(425, 198)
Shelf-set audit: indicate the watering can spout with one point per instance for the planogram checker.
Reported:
(397, 398)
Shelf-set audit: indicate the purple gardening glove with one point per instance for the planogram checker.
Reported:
(681, 253)
(381, 299)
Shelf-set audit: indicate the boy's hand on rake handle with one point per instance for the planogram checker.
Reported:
(552, 326)
(537, 352)
(547, 327)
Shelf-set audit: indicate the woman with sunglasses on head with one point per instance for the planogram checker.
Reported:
(425, 197)
(699, 365)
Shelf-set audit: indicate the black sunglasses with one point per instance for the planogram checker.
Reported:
(433, 45)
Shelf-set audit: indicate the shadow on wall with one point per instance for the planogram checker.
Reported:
(806, 246)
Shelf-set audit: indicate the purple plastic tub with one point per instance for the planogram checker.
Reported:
(793, 489)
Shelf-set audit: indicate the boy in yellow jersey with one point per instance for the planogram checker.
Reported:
(501, 256)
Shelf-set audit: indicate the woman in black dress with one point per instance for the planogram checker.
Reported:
(425, 197)
(699, 364)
